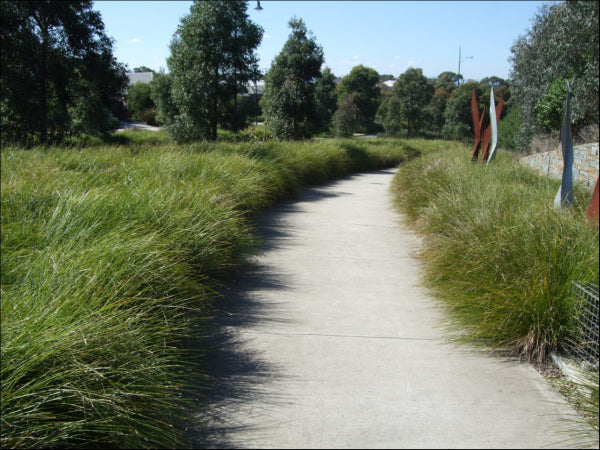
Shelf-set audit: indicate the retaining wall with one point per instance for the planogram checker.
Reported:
(585, 164)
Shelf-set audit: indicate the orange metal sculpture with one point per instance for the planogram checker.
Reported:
(477, 122)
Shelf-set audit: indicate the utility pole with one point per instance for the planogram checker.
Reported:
(459, 61)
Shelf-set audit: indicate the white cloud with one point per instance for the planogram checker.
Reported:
(134, 41)
(267, 36)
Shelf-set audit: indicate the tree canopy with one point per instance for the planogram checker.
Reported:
(361, 83)
(58, 72)
(562, 43)
(142, 69)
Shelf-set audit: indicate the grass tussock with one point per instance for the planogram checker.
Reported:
(111, 252)
(497, 253)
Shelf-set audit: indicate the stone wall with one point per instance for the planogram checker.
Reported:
(585, 164)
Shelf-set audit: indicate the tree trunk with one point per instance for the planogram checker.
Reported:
(44, 80)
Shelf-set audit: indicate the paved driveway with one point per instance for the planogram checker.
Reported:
(136, 125)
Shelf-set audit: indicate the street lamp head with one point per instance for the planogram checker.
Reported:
(258, 7)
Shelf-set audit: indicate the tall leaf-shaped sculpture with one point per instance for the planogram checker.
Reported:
(564, 196)
(492, 128)
(495, 111)
(493, 124)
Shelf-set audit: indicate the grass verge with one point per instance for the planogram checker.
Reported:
(110, 258)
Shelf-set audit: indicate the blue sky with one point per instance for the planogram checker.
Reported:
(388, 36)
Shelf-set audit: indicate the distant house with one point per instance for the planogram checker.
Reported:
(255, 88)
(140, 77)
(386, 85)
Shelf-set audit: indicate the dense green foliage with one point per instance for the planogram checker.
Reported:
(508, 128)
(496, 252)
(345, 119)
(139, 100)
(413, 92)
(325, 99)
(59, 76)
(110, 256)
(361, 84)
(289, 99)
(550, 109)
(212, 58)
(562, 43)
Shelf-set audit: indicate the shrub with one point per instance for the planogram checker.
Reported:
(148, 116)
(508, 128)
(497, 253)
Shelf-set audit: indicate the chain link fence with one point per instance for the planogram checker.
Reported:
(585, 346)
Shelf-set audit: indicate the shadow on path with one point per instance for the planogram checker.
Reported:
(236, 374)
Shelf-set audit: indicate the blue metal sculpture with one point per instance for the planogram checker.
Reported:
(564, 197)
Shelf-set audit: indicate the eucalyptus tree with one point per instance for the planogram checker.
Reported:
(212, 59)
(58, 72)
(289, 98)
(411, 94)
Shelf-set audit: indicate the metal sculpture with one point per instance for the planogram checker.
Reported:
(495, 112)
(477, 122)
(564, 195)
(489, 126)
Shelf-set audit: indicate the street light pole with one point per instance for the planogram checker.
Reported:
(459, 61)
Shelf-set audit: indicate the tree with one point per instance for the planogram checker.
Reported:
(58, 71)
(447, 82)
(458, 117)
(325, 99)
(562, 43)
(388, 115)
(345, 118)
(413, 92)
(434, 112)
(289, 97)
(361, 83)
(161, 86)
(142, 69)
(212, 58)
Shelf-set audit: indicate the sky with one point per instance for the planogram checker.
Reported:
(388, 36)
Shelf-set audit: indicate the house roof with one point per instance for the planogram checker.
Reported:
(140, 77)
(257, 89)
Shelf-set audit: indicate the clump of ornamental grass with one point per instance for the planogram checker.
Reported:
(112, 251)
(497, 253)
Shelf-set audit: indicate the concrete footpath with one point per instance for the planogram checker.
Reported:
(329, 342)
